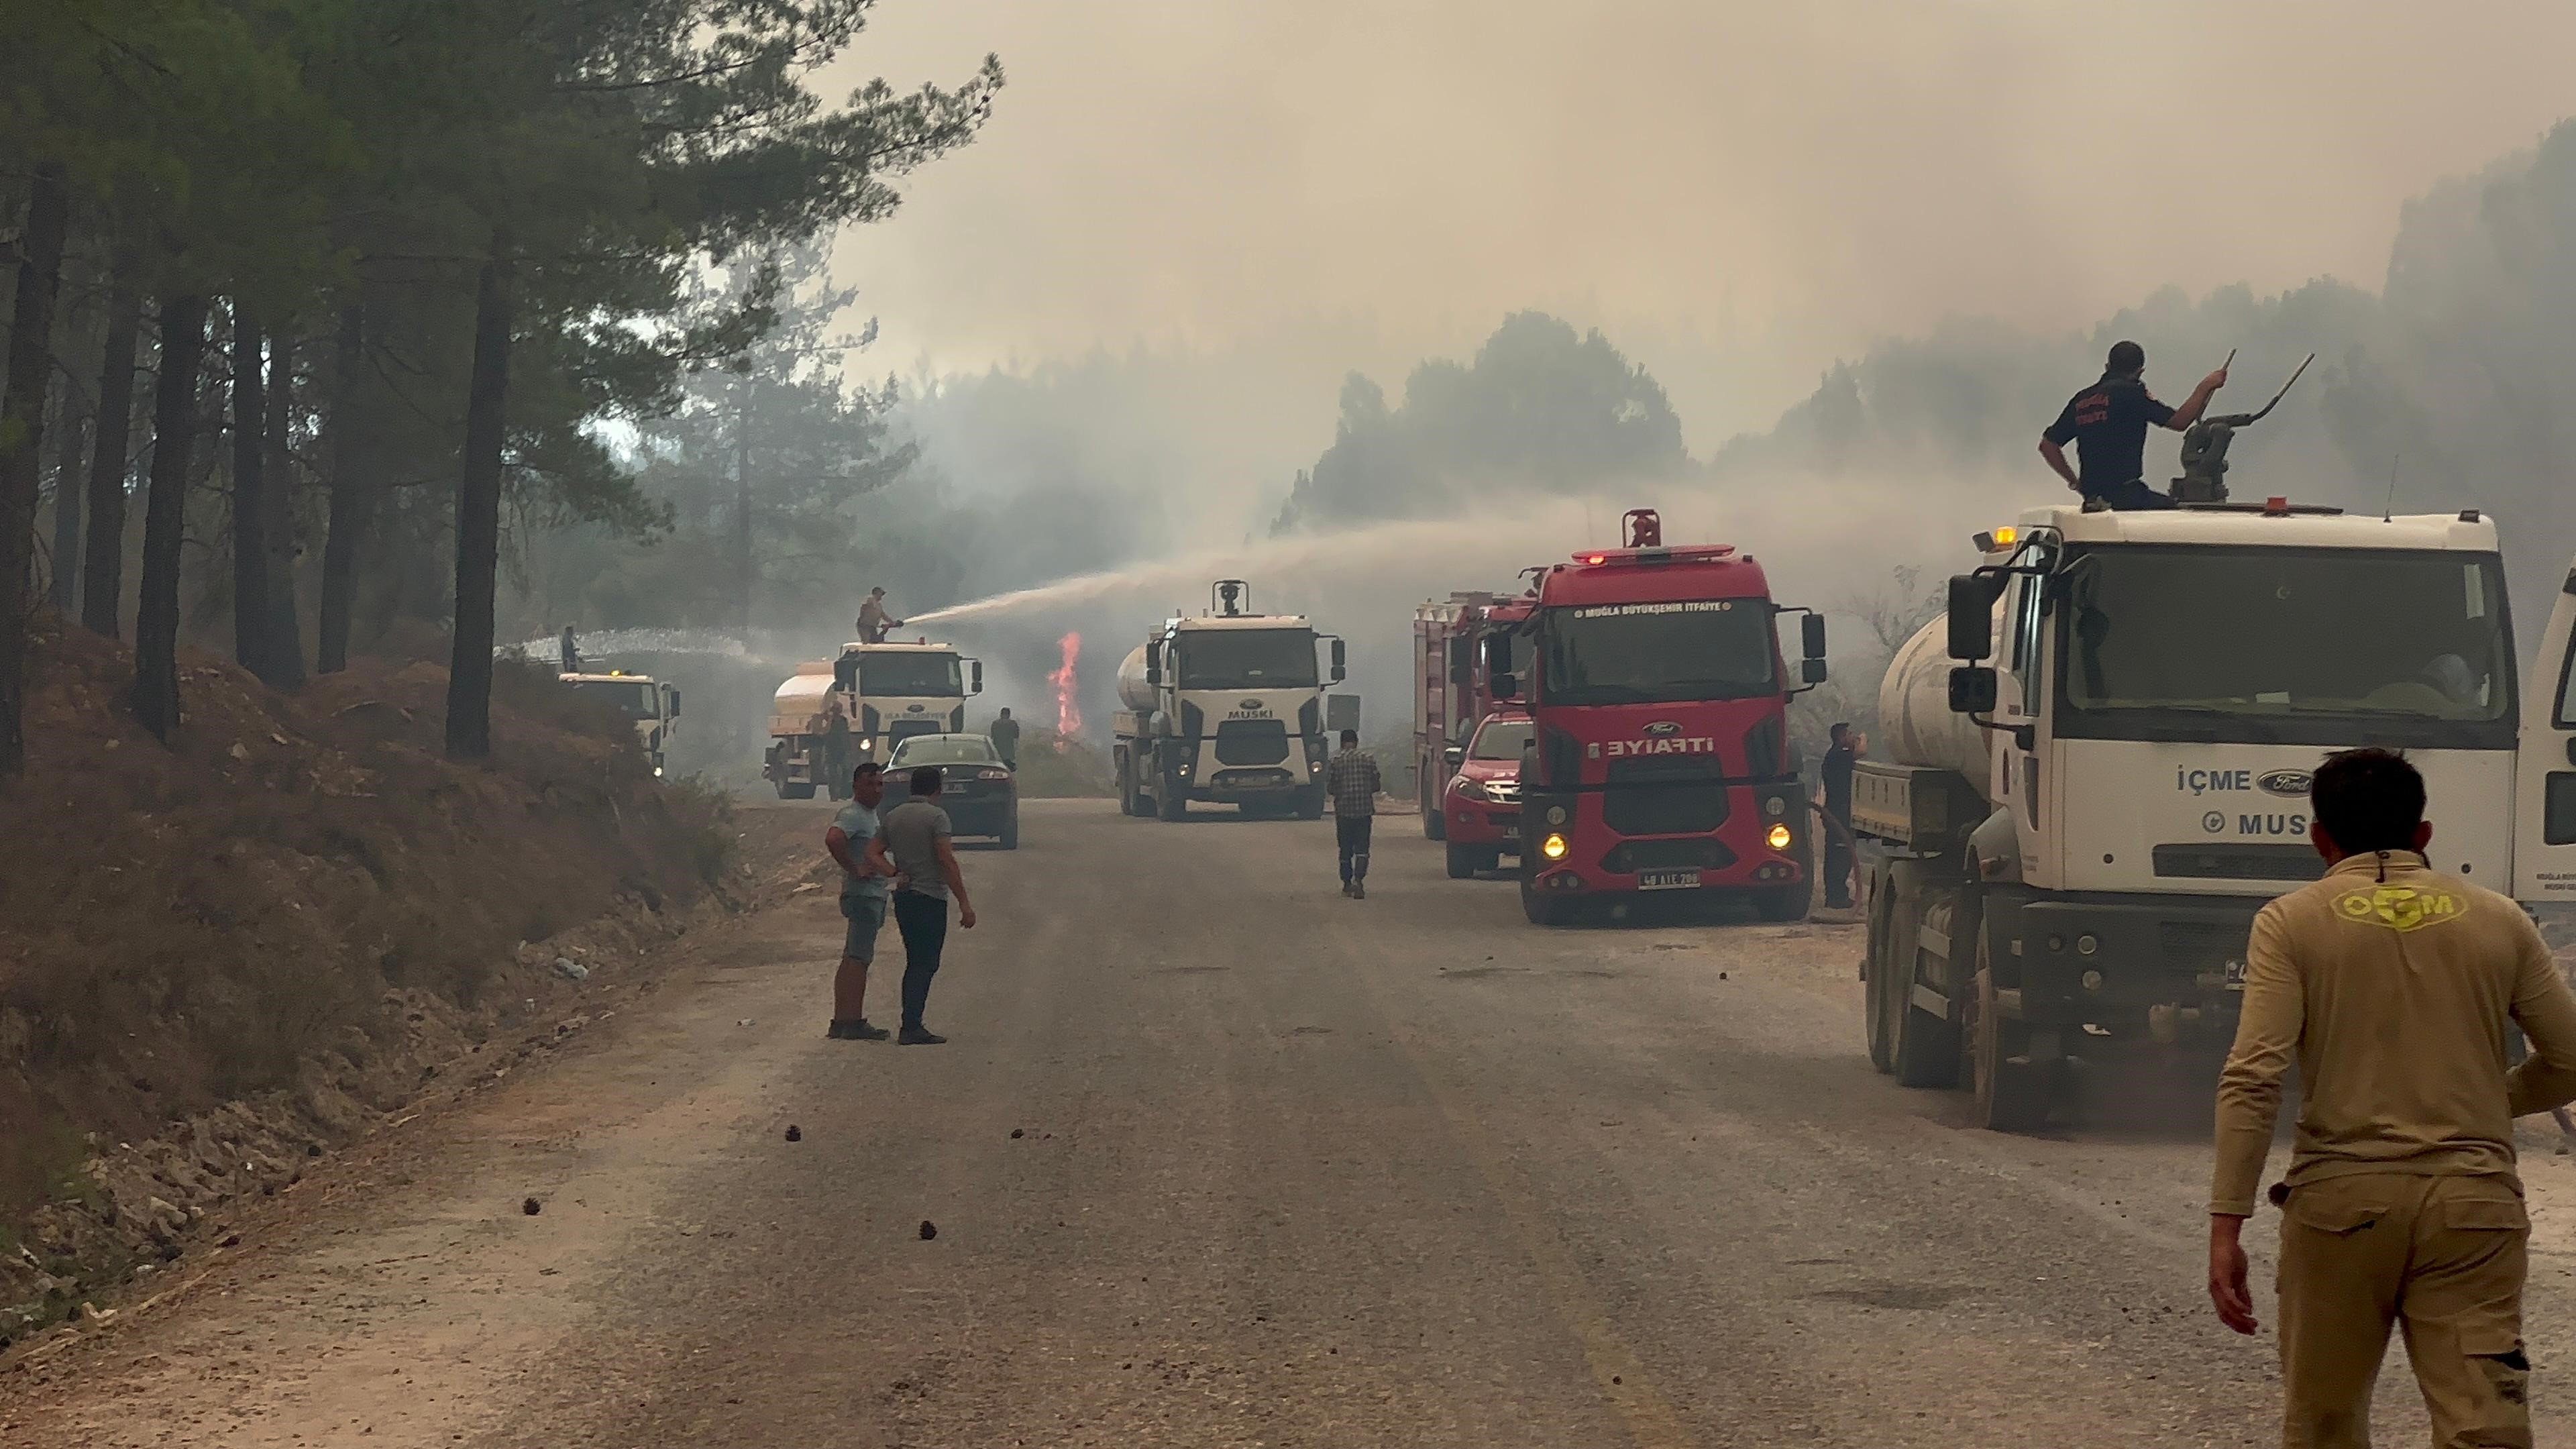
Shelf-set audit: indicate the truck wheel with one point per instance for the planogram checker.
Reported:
(1785, 903)
(1463, 861)
(1543, 909)
(1169, 802)
(2012, 1094)
(1877, 992)
(1435, 825)
(1310, 803)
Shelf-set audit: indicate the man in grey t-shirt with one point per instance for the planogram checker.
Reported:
(913, 841)
(863, 902)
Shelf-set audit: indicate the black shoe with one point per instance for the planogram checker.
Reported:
(858, 1030)
(1359, 890)
(1346, 888)
(920, 1036)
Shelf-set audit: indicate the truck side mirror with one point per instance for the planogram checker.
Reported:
(1972, 689)
(1971, 615)
(1154, 663)
(1811, 670)
(1454, 754)
(1811, 631)
(673, 691)
(1505, 686)
(1339, 671)
(976, 686)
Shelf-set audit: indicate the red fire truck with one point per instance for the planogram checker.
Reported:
(1661, 759)
(1450, 690)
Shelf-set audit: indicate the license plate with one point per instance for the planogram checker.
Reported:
(1668, 880)
(2235, 975)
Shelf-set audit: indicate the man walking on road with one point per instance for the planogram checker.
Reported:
(1352, 780)
(913, 844)
(1846, 749)
(2390, 986)
(863, 903)
(1005, 734)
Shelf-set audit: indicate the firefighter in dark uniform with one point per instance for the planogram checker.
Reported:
(2108, 424)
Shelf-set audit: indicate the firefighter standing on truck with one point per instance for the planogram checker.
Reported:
(2390, 986)
(2108, 423)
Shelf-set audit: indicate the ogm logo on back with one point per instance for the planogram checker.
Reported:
(2399, 908)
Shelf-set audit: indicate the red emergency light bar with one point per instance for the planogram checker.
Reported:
(1683, 553)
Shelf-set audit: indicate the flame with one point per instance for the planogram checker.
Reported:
(1068, 712)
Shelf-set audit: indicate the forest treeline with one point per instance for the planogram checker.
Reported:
(377, 274)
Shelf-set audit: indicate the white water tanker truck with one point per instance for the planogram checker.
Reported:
(2097, 770)
(887, 692)
(1224, 708)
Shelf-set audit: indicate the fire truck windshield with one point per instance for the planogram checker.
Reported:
(1656, 653)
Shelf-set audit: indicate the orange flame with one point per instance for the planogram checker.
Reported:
(1068, 710)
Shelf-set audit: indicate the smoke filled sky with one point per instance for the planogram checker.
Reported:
(1777, 182)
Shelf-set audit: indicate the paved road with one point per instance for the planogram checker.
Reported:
(1217, 1157)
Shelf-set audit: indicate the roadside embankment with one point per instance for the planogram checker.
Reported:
(222, 957)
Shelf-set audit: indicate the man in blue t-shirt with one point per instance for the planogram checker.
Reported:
(2108, 424)
(863, 903)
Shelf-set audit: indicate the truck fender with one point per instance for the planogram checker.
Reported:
(1996, 848)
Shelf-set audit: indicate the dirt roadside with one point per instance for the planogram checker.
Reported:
(220, 1256)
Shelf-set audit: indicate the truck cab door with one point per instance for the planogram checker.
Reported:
(2544, 816)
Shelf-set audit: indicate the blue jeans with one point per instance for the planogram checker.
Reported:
(922, 921)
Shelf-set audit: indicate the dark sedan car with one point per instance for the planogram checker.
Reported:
(975, 787)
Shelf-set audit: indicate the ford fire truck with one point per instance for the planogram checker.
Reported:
(1452, 692)
(1660, 757)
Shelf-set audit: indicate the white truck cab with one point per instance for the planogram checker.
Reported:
(653, 706)
(2100, 762)
(1226, 707)
(888, 693)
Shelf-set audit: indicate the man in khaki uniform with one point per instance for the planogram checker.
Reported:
(2390, 985)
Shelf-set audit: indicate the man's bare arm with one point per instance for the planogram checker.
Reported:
(2198, 403)
(837, 841)
(2056, 457)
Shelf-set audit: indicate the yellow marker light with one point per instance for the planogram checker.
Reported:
(2007, 536)
(1779, 837)
(1553, 847)
(1594, 558)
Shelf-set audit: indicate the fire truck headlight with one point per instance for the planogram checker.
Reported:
(1774, 805)
(1779, 837)
(1553, 847)
(1556, 815)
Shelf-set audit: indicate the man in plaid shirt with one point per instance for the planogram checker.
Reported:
(1351, 779)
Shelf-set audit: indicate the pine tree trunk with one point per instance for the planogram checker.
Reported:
(22, 436)
(478, 511)
(351, 498)
(250, 506)
(103, 568)
(283, 641)
(174, 439)
(68, 495)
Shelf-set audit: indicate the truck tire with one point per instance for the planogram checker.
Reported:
(1435, 824)
(1169, 802)
(2012, 1094)
(1542, 909)
(1927, 1046)
(1464, 860)
(1310, 803)
(1877, 993)
(1126, 786)
(1785, 903)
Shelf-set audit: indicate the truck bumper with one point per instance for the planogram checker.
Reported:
(2120, 964)
(1597, 860)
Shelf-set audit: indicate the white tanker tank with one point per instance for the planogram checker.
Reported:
(1914, 718)
(1133, 691)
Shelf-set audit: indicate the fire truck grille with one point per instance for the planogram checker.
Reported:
(1663, 797)
(1251, 742)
